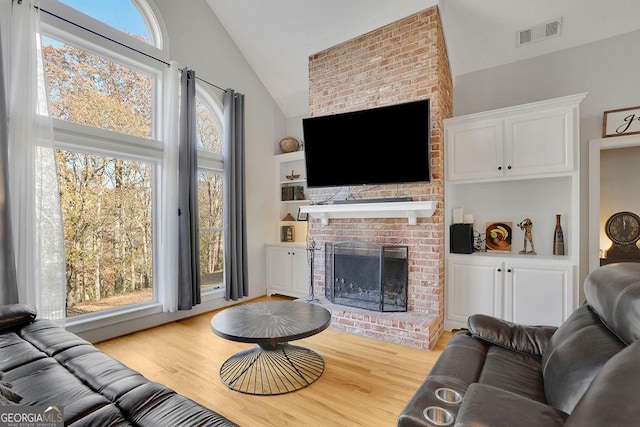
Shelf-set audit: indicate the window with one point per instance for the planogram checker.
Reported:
(93, 90)
(210, 191)
(105, 104)
(123, 15)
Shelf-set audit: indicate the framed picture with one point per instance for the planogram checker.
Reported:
(625, 121)
(498, 237)
(302, 216)
(287, 233)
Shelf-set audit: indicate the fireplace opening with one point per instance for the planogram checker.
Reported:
(367, 275)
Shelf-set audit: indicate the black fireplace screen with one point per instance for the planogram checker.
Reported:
(367, 275)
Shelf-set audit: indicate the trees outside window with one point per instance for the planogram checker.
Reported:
(105, 110)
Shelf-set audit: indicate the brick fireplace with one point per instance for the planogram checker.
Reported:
(401, 62)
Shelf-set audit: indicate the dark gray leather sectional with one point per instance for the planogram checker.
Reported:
(46, 365)
(584, 373)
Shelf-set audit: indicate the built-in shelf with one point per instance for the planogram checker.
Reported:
(410, 210)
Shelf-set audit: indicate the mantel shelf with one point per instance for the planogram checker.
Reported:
(410, 210)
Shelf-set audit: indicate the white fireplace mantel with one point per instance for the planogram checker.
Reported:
(410, 210)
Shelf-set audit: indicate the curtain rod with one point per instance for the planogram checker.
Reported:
(204, 81)
(116, 42)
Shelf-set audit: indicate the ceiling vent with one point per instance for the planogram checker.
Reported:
(539, 32)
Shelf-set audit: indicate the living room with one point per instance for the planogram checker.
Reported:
(196, 38)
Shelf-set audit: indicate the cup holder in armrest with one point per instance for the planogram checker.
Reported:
(448, 395)
(438, 416)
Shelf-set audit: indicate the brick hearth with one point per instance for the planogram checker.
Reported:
(401, 62)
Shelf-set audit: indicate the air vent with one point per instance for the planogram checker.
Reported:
(539, 32)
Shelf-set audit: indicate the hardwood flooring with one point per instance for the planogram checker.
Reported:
(365, 382)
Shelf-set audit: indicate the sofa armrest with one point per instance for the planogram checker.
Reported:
(488, 406)
(522, 338)
(14, 315)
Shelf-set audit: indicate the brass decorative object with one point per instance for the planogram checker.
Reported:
(293, 175)
(289, 144)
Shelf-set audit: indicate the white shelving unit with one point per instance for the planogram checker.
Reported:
(504, 166)
(291, 164)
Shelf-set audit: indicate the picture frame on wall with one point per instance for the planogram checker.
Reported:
(302, 216)
(623, 121)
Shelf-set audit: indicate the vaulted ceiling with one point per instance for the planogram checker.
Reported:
(277, 36)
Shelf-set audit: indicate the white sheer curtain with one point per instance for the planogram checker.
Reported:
(168, 265)
(33, 186)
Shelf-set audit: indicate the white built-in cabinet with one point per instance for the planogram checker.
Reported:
(287, 264)
(287, 270)
(504, 166)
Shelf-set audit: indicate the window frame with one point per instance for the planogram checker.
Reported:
(88, 139)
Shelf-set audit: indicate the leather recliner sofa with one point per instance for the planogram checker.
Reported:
(584, 373)
(45, 365)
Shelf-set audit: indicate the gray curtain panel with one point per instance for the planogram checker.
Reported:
(235, 236)
(189, 246)
(8, 284)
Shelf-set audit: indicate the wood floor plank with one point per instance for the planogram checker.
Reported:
(365, 383)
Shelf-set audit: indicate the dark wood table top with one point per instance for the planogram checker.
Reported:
(270, 322)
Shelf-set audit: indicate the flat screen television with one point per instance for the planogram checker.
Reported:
(384, 145)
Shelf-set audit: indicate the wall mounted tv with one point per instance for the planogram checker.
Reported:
(384, 145)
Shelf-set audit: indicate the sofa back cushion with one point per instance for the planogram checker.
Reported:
(597, 331)
(573, 357)
(611, 399)
(613, 292)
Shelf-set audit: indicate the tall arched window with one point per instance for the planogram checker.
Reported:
(210, 190)
(106, 106)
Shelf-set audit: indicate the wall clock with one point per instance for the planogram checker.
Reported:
(623, 228)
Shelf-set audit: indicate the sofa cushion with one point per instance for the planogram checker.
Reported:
(570, 363)
(485, 405)
(515, 372)
(613, 292)
(16, 315)
(609, 399)
(522, 338)
(7, 395)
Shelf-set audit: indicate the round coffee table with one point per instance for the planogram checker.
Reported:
(274, 366)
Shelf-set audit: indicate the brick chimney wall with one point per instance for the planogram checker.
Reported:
(401, 62)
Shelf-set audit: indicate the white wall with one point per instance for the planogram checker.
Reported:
(199, 41)
(608, 69)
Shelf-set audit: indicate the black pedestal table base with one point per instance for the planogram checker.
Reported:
(273, 366)
(280, 369)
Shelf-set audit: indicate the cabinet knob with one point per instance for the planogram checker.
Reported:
(508, 270)
(499, 270)
(509, 167)
(293, 253)
(499, 168)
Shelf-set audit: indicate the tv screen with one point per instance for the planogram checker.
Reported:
(385, 145)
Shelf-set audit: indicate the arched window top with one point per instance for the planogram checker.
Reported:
(132, 17)
(208, 122)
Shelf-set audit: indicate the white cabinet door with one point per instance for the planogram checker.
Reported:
(299, 273)
(474, 150)
(537, 294)
(278, 270)
(540, 142)
(474, 286)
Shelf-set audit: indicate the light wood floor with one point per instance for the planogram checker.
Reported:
(365, 382)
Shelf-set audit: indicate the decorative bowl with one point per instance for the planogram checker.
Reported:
(289, 144)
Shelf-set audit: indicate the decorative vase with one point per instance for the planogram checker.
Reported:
(558, 238)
